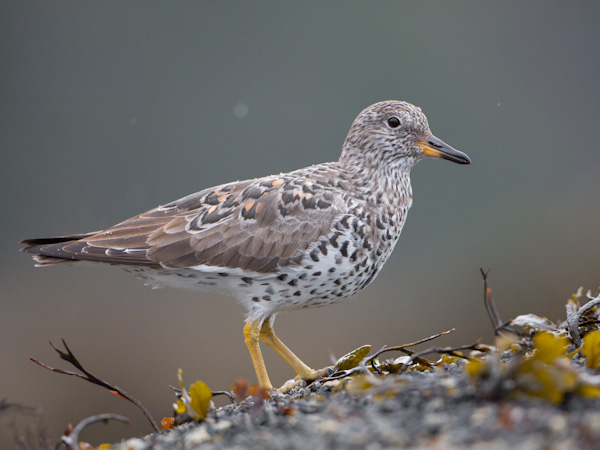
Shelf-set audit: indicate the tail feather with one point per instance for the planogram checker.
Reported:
(64, 249)
(34, 246)
(55, 239)
(42, 261)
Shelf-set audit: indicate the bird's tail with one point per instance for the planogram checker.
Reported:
(47, 251)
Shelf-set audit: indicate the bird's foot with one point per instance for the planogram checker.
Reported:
(302, 380)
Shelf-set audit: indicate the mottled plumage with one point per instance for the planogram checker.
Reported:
(283, 242)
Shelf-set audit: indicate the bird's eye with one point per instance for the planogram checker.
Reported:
(393, 122)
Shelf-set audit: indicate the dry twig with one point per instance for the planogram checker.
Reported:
(453, 351)
(229, 395)
(403, 348)
(88, 376)
(492, 310)
(490, 305)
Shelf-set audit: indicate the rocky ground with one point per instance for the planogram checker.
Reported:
(439, 408)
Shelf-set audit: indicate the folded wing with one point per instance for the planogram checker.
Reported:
(255, 225)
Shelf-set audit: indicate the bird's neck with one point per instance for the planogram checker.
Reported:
(387, 184)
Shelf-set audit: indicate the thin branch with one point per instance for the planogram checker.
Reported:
(492, 310)
(361, 368)
(228, 394)
(88, 376)
(71, 438)
(403, 348)
(490, 304)
(453, 351)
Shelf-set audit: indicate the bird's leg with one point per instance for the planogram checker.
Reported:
(304, 372)
(251, 333)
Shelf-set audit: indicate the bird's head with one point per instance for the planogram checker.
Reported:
(396, 134)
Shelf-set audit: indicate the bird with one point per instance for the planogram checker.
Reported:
(302, 239)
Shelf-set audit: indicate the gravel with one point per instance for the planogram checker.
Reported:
(439, 409)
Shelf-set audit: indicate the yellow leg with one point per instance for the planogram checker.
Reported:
(304, 372)
(251, 333)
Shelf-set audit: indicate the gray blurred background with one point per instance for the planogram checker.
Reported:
(111, 108)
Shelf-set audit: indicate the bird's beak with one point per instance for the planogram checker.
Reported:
(436, 148)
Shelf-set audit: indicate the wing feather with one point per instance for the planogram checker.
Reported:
(254, 225)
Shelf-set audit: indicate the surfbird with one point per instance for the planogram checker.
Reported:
(303, 239)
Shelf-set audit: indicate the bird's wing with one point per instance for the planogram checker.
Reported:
(255, 225)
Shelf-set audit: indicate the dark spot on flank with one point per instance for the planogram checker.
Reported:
(282, 277)
(247, 280)
(255, 299)
(317, 274)
(223, 274)
(353, 255)
(344, 249)
(314, 256)
(333, 240)
(294, 282)
(345, 221)
(379, 224)
(337, 282)
(361, 231)
(302, 276)
(266, 298)
(297, 293)
(331, 270)
(323, 247)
